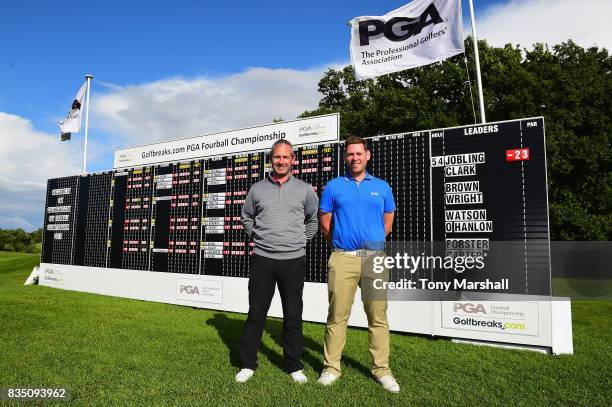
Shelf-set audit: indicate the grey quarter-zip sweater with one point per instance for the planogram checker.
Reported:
(280, 218)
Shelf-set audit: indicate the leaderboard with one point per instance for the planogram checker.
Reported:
(468, 191)
(489, 198)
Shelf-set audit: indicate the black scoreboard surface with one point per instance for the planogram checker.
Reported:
(466, 187)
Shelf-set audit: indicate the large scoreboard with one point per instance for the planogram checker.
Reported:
(464, 187)
(170, 231)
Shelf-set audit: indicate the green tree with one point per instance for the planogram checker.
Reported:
(36, 235)
(17, 240)
(569, 85)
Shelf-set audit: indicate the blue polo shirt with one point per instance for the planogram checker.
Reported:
(357, 210)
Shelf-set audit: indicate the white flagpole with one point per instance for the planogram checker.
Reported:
(477, 61)
(88, 77)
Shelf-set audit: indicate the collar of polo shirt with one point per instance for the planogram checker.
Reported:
(348, 177)
(278, 181)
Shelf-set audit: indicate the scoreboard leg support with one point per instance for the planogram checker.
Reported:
(33, 277)
(562, 339)
(561, 326)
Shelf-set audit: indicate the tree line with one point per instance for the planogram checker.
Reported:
(18, 240)
(567, 84)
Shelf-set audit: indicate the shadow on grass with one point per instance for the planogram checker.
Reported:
(313, 350)
(230, 330)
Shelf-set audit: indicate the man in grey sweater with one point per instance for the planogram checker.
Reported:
(280, 213)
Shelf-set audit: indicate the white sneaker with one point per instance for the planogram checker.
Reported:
(388, 383)
(326, 378)
(299, 376)
(243, 375)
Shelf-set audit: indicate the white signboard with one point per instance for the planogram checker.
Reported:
(312, 130)
(507, 317)
(535, 323)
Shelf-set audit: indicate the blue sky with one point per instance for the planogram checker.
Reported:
(48, 48)
(166, 70)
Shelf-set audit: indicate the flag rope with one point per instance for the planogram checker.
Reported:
(469, 83)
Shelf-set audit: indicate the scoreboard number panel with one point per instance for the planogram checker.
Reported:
(213, 216)
(60, 211)
(242, 171)
(467, 187)
(184, 227)
(317, 165)
(91, 234)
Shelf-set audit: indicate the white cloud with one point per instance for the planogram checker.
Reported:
(526, 22)
(27, 159)
(181, 107)
(140, 114)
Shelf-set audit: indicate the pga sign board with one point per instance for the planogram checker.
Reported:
(313, 130)
(502, 317)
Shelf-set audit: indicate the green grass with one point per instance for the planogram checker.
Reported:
(114, 351)
(582, 288)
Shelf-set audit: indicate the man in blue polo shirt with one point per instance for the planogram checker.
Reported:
(355, 215)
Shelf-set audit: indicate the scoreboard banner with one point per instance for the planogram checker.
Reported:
(299, 132)
(171, 232)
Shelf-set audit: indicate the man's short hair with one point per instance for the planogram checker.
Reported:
(355, 140)
(281, 142)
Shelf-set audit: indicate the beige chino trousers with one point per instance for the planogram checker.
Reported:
(344, 274)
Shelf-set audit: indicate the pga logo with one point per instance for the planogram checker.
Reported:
(199, 290)
(398, 28)
(189, 289)
(469, 308)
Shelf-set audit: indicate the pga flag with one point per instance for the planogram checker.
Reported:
(420, 33)
(72, 123)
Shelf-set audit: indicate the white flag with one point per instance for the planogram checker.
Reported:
(72, 123)
(420, 33)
